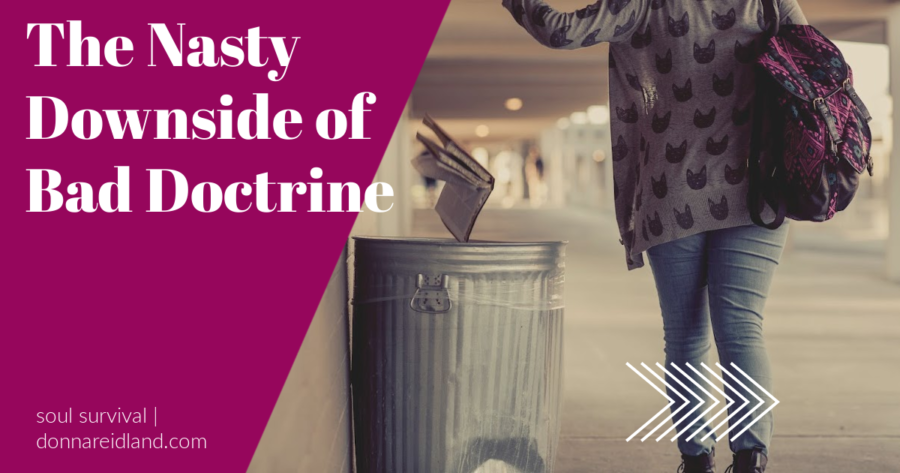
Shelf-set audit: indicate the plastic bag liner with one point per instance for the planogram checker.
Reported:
(457, 355)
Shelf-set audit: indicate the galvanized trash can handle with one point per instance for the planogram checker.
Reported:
(432, 294)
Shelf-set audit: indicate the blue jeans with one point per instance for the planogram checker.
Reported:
(719, 278)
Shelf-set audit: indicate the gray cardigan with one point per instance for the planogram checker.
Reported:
(681, 85)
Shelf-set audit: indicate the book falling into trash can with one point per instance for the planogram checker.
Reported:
(467, 183)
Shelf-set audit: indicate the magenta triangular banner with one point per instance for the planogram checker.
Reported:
(191, 320)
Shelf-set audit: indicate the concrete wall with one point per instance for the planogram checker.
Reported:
(309, 429)
(892, 260)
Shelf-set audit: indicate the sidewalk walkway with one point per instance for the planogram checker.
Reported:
(833, 331)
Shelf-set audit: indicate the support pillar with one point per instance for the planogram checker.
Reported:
(892, 260)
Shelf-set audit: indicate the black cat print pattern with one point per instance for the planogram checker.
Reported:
(681, 85)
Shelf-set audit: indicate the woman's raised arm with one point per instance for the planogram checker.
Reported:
(603, 21)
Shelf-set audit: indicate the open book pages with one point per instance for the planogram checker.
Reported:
(467, 183)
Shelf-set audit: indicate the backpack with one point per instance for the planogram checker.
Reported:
(811, 138)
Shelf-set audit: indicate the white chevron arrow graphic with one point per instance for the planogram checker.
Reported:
(690, 423)
(729, 403)
(775, 402)
(748, 414)
(683, 405)
(686, 416)
(716, 402)
(664, 409)
(725, 383)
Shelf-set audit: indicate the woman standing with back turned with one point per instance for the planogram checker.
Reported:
(681, 79)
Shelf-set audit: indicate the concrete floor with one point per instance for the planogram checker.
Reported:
(832, 328)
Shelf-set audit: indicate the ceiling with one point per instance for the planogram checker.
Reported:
(481, 57)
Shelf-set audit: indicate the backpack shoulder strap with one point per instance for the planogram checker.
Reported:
(770, 15)
(762, 190)
(764, 181)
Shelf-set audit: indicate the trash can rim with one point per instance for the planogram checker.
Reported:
(449, 241)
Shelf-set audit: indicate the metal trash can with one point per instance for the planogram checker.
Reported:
(456, 355)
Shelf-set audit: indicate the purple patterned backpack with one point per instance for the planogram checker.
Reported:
(811, 139)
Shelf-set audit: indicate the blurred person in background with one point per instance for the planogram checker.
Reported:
(682, 83)
(431, 190)
(534, 175)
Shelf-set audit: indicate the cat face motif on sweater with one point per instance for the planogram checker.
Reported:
(676, 155)
(615, 6)
(684, 219)
(724, 22)
(679, 28)
(735, 176)
(620, 150)
(642, 40)
(719, 211)
(593, 9)
(705, 55)
(655, 224)
(629, 115)
(664, 64)
(660, 188)
(683, 94)
(518, 13)
(538, 14)
(591, 39)
(696, 180)
(717, 148)
(723, 87)
(559, 40)
(627, 26)
(661, 123)
(634, 82)
(706, 120)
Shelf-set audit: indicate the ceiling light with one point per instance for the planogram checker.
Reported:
(598, 114)
(562, 123)
(481, 155)
(579, 118)
(482, 131)
(514, 104)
